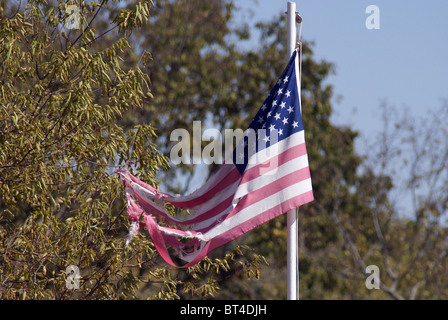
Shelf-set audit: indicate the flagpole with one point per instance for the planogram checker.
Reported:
(291, 217)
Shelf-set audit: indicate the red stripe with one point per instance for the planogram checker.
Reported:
(159, 242)
(260, 219)
(232, 177)
(252, 173)
(147, 186)
(225, 176)
(213, 212)
(285, 156)
(215, 179)
(147, 205)
(263, 192)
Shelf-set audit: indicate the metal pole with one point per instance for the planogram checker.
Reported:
(291, 218)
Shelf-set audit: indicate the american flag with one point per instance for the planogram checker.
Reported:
(267, 175)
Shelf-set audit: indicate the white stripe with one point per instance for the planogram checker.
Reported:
(206, 223)
(187, 235)
(144, 194)
(215, 200)
(260, 207)
(265, 179)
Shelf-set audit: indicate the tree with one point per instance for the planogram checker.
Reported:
(61, 208)
(60, 142)
(411, 229)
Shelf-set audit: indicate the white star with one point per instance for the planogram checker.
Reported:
(288, 93)
(263, 126)
(286, 79)
(280, 132)
(269, 114)
(260, 119)
(280, 91)
(290, 109)
(263, 107)
(266, 139)
(283, 104)
(274, 103)
(271, 127)
(285, 120)
(295, 124)
(277, 116)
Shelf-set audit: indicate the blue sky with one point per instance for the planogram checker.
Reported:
(404, 63)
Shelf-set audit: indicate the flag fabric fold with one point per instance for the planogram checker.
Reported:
(266, 176)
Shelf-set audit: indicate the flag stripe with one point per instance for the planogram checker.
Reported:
(271, 151)
(231, 177)
(248, 224)
(200, 212)
(159, 211)
(262, 197)
(219, 177)
(268, 165)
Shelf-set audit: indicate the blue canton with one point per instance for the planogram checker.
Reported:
(279, 114)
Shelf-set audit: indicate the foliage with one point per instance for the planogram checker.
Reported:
(60, 142)
(412, 228)
(62, 95)
(77, 104)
